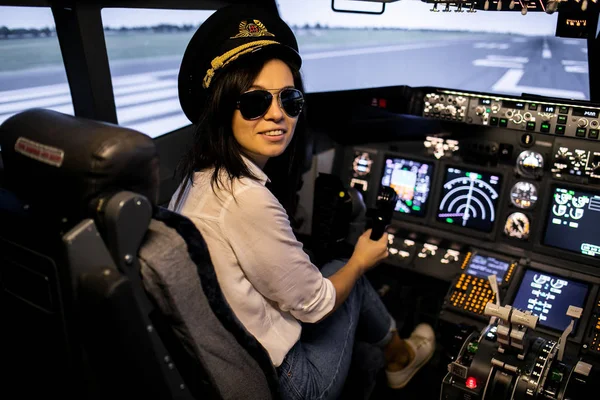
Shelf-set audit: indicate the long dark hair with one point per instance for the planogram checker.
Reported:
(214, 145)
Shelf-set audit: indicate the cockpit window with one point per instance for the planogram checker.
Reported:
(498, 52)
(145, 48)
(32, 73)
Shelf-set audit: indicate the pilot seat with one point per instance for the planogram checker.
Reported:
(104, 294)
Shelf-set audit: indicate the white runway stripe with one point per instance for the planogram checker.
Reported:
(128, 114)
(146, 96)
(523, 60)
(138, 94)
(501, 61)
(372, 50)
(496, 63)
(65, 109)
(575, 66)
(509, 83)
(159, 126)
(488, 45)
(546, 53)
(10, 96)
(18, 106)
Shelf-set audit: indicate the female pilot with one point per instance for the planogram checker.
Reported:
(240, 84)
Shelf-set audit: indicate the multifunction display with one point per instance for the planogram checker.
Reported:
(574, 222)
(484, 266)
(549, 297)
(412, 182)
(469, 199)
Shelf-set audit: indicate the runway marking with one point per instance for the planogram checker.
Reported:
(487, 45)
(496, 63)
(575, 67)
(157, 97)
(523, 60)
(160, 126)
(509, 83)
(546, 53)
(573, 42)
(120, 101)
(10, 96)
(372, 50)
(501, 61)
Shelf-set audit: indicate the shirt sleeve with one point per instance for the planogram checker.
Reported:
(273, 260)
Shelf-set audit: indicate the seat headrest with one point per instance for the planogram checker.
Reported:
(60, 164)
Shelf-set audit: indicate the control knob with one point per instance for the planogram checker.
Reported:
(438, 108)
(517, 118)
(582, 123)
(451, 110)
(480, 110)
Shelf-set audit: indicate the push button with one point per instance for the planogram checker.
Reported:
(494, 121)
(593, 134)
(563, 110)
(580, 132)
(545, 127)
(562, 119)
(531, 126)
(533, 106)
(503, 122)
(560, 129)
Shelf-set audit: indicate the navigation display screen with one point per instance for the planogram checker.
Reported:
(484, 266)
(549, 297)
(412, 182)
(469, 199)
(574, 222)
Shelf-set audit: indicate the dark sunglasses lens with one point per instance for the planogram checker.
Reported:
(292, 102)
(255, 103)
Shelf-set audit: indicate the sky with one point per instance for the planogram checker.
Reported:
(402, 14)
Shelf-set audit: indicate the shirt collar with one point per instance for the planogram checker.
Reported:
(256, 171)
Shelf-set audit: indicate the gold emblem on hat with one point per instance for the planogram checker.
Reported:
(254, 28)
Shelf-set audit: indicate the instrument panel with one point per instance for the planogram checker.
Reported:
(507, 187)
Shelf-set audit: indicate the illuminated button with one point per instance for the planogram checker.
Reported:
(545, 128)
(503, 122)
(562, 119)
(593, 134)
(560, 129)
(563, 110)
(580, 132)
(531, 126)
(494, 121)
(533, 106)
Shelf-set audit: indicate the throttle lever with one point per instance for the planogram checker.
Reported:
(383, 211)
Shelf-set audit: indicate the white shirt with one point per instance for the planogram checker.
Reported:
(266, 277)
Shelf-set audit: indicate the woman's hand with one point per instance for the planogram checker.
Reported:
(368, 253)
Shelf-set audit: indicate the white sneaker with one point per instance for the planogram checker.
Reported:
(422, 342)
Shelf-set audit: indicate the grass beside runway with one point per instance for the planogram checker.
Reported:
(24, 54)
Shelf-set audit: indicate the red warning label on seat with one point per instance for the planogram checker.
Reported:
(40, 152)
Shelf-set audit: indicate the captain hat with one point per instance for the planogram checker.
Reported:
(228, 35)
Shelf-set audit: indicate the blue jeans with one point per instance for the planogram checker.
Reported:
(316, 367)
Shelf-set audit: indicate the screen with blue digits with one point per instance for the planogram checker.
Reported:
(412, 182)
(484, 266)
(574, 222)
(549, 297)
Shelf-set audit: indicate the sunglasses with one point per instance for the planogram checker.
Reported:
(256, 103)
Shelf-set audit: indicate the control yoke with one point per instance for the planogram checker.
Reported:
(383, 211)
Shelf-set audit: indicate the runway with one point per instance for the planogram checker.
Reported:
(146, 90)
